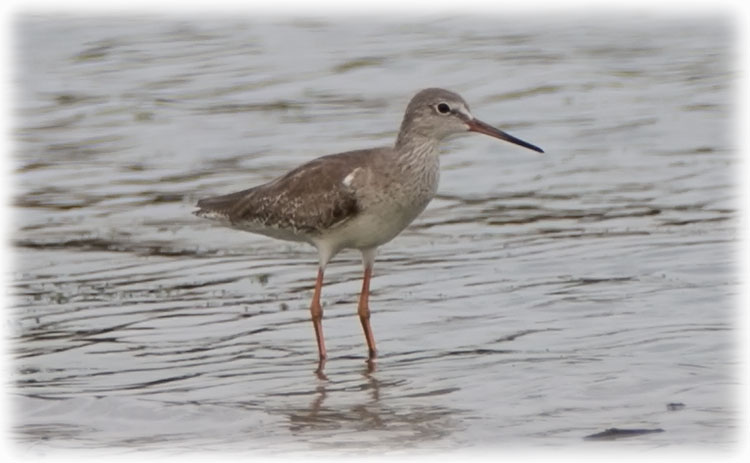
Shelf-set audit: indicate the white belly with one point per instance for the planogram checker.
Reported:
(388, 205)
(372, 228)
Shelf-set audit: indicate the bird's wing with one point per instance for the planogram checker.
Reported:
(310, 198)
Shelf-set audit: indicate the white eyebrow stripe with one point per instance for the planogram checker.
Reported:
(465, 112)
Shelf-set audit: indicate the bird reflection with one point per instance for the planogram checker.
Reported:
(346, 405)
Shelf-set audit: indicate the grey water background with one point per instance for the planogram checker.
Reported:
(539, 299)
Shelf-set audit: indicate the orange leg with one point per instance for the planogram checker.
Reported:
(364, 310)
(317, 315)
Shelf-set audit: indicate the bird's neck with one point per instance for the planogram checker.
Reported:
(416, 149)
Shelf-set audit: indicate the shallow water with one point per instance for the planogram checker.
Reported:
(538, 300)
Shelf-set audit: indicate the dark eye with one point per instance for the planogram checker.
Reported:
(443, 108)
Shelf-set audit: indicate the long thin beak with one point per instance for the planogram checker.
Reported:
(475, 125)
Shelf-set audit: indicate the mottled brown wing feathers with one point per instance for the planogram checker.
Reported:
(310, 198)
(222, 204)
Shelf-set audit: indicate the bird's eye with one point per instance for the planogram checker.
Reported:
(443, 108)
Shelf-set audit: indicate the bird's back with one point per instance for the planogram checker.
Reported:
(301, 204)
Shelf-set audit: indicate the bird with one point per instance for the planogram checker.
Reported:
(358, 199)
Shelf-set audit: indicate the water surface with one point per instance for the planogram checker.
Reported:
(538, 300)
